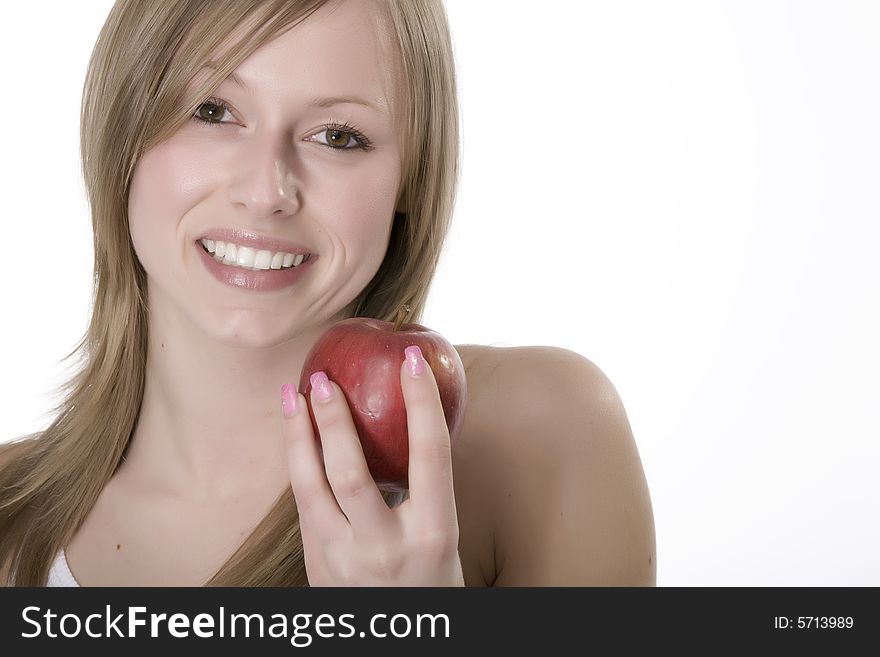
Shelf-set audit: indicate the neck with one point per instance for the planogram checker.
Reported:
(209, 428)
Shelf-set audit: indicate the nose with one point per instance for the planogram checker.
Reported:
(265, 185)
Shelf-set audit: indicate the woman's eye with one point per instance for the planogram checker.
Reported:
(344, 137)
(210, 111)
(339, 139)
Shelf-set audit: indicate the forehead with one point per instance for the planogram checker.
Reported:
(342, 49)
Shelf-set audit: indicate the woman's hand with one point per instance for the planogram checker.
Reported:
(350, 536)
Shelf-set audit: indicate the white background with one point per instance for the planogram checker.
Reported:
(686, 193)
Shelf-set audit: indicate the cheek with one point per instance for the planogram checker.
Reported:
(167, 182)
(364, 209)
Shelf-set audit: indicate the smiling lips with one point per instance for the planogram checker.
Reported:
(252, 270)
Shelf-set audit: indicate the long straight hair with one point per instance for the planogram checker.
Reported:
(135, 96)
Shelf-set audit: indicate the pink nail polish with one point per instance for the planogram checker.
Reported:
(321, 386)
(414, 360)
(288, 400)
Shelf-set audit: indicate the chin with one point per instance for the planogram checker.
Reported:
(246, 331)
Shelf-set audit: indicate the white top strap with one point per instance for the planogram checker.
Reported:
(59, 573)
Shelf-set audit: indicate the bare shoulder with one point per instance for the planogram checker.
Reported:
(570, 499)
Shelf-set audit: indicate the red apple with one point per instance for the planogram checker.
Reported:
(363, 356)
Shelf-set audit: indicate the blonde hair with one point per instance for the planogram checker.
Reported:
(135, 96)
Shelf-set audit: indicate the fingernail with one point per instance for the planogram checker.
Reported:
(321, 386)
(414, 360)
(288, 400)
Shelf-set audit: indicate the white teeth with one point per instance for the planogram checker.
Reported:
(248, 258)
(262, 260)
(243, 257)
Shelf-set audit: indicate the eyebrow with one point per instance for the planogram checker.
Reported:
(319, 101)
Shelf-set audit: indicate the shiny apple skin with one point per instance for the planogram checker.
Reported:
(363, 356)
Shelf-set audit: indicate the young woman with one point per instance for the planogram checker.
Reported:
(264, 131)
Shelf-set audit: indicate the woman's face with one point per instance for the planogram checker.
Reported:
(273, 167)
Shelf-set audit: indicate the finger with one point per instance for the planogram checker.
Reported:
(430, 453)
(347, 471)
(315, 503)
